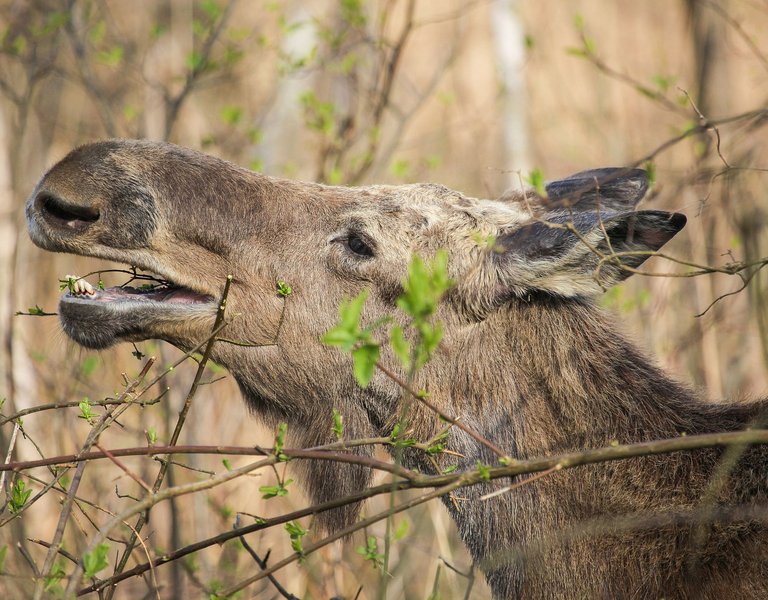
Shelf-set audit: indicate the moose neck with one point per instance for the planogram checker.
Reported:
(572, 383)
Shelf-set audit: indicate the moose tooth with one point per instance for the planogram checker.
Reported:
(80, 286)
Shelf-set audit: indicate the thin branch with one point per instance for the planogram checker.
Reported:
(164, 465)
(420, 397)
(443, 482)
(263, 565)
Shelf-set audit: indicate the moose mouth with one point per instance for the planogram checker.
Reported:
(98, 318)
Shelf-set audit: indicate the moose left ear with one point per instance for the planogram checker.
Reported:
(581, 253)
(613, 189)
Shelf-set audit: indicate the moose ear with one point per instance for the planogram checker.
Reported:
(610, 189)
(613, 189)
(581, 253)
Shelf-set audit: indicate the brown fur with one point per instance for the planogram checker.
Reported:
(528, 360)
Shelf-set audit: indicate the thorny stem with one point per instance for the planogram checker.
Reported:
(164, 464)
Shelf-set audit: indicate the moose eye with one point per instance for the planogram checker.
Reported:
(358, 246)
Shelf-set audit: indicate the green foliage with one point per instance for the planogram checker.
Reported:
(402, 529)
(275, 491)
(423, 289)
(352, 12)
(35, 311)
(365, 358)
(3, 555)
(536, 180)
(587, 48)
(212, 9)
(338, 425)
(438, 444)
(283, 289)
(151, 435)
(371, 552)
(67, 284)
(296, 533)
(282, 430)
(217, 586)
(19, 496)
(52, 580)
(401, 168)
(349, 337)
(95, 561)
(399, 439)
(86, 412)
(112, 57)
(88, 366)
(484, 471)
(318, 115)
(347, 332)
(231, 115)
(400, 345)
(650, 169)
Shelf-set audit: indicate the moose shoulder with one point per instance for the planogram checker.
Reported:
(527, 359)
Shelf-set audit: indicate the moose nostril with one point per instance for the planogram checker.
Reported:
(64, 214)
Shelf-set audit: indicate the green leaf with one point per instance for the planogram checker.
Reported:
(52, 581)
(35, 311)
(274, 491)
(231, 115)
(365, 358)
(650, 169)
(536, 180)
(282, 430)
(19, 496)
(484, 471)
(86, 412)
(400, 346)
(88, 366)
(338, 424)
(371, 552)
(95, 561)
(112, 57)
(347, 332)
(283, 289)
(402, 529)
(296, 532)
(211, 8)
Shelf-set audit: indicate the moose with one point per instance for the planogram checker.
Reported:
(527, 360)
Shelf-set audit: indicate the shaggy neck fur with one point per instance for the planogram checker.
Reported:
(573, 384)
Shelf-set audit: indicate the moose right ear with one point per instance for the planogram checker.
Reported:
(583, 253)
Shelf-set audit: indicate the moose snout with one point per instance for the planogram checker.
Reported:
(61, 215)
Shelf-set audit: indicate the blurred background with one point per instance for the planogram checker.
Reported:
(473, 94)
